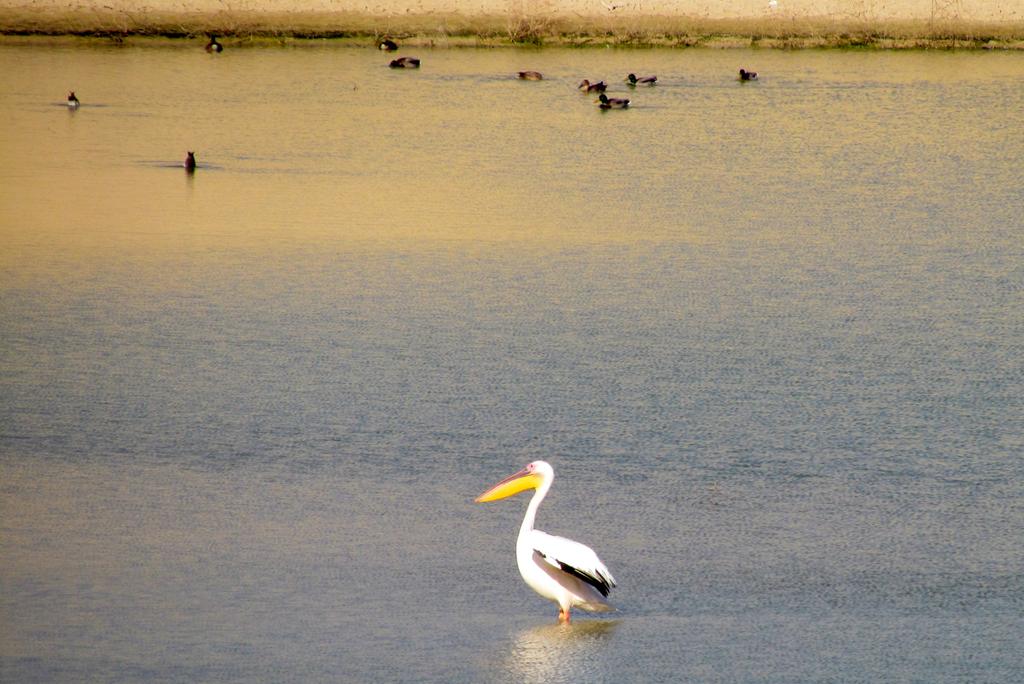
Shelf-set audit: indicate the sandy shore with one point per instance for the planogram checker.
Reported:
(785, 23)
(968, 10)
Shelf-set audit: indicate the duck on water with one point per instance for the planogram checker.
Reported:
(633, 80)
(405, 63)
(605, 102)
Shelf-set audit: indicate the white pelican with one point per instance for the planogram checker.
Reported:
(559, 569)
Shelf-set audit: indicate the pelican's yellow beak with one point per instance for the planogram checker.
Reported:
(513, 484)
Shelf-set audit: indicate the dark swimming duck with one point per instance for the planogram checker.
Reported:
(213, 45)
(612, 102)
(748, 75)
(588, 87)
(405, 63)
(190, 162)
(643, 80)
(73, 100)
(387, 45)
(531, 76)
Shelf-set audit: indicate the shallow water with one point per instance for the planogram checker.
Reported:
(769, 334)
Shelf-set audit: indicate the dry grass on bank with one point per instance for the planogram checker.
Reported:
(457, 29)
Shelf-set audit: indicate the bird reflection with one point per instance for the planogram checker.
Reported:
(560, 652)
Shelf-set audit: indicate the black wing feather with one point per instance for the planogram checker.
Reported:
(599, 582)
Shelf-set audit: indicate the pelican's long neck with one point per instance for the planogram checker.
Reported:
(531, 510)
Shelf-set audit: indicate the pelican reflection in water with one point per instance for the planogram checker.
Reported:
(560, 652)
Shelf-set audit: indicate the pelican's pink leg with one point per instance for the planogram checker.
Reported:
(563, 614)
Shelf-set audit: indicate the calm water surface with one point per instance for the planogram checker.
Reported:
(770, 335)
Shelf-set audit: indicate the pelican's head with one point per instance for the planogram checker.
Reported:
(532, 476)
